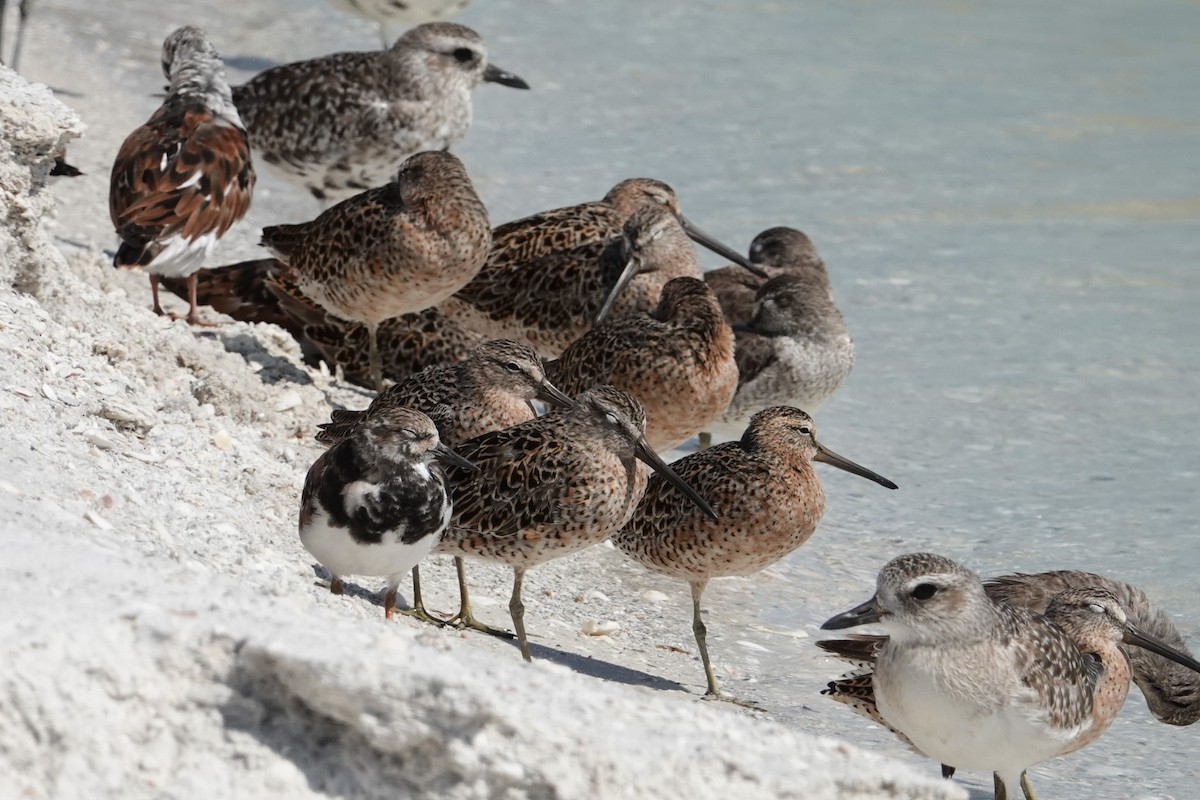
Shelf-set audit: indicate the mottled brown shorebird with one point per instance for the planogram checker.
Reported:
(375, 503)
(795, 350)
(775, 251)
(343, 123)
(490, 390)
(392, 16)
(262, 290)
(544, 281)
(553, 486)
(181, 180)
(393, 250)
(981, 684)
(677, 360)
(768, 500)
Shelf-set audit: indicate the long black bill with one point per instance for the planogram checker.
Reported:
(446, 454)
(549, 393)
(632, 267)
(493, 74)
(864, 614)
(645, 453)
(701, 238)
(1139, 638)
(830, 457)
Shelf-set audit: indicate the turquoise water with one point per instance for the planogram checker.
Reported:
(1008, 199)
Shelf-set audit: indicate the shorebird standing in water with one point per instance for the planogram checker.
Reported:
(184, 178)
(768, 500)
(392, 16)
(394, 250)
(375, 503)
(775, 251)
(555, 485)
(677, 360)
(545, 281)
(795, 350)
(980, 684)
(489, 391)
(344, 123)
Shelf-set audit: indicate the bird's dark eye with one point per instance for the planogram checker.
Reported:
(512, 366)
(924, 591)
(464, 55)
(805, 430)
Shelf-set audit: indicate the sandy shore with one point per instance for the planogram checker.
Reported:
(163, 633)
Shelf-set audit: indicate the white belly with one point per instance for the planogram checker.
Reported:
(339, 553)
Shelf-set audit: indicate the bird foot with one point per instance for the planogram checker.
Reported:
(419, 613)
(724, 698)
(462, 621)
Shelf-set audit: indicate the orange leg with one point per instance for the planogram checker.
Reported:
(389, 603)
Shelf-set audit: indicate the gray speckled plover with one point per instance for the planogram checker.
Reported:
(396, 249)
(768, 500)
(344, 123)
(981, 684)
(184, 178)
(375, 503)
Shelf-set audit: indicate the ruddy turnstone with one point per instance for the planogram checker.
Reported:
(544, 281)
(676, 359)
(768, 501)
(488, 391)
(181, 180)
(392, 16)
(554, 485)
(343, 123)
(981, 684)
(376, 502)
(392, 250)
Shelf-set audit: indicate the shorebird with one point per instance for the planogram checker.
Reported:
(393, 250)
(768, 500)
(23, 9)
(775, 251)
(544, 281)
(795, 351)
(184, 178)
(677, 360)
(343, 123)
(980, 684)
(489, 391)
(393, 15)
(553, 486)
(375, 503)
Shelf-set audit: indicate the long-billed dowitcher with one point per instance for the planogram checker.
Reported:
(343, 123)
(375, 503)
(795, 351)
(980, 684)
(677, 360)
(553, 486)
(392, 16)
(544, 281)
(775, 251)
(652, 250)
(768, 501)
(184, 178)
(393, 250)
(489, 391)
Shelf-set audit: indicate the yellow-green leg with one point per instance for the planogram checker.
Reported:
(701, 634)
(465, 617)
(418, 605)
(517, 609)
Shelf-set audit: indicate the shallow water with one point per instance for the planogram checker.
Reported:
(1006, 196)
(1007, 200)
